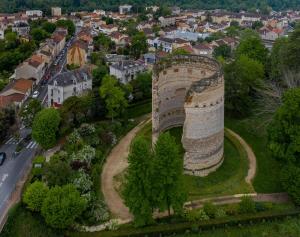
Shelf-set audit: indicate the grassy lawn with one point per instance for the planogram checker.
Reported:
(228, 179)
(254, 133)
(23, 223)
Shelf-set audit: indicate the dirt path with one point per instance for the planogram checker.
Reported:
(115, 163)
(250, 154)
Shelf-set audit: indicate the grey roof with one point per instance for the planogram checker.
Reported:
(125, 64)
(68, 78)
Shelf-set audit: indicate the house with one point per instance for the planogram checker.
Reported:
(203, 49)
(127, 70)
(168, 45)
(108, 29)
(34, 13)
(167, 21)
(77, 53)
(16, 92)
(56, 11)
(270, 33)
(119, 39)
(67, 84)
(59, 41)
(124, 9)
(32, 68)
(21, 27)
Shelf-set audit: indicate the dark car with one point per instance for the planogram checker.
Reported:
(2, 158)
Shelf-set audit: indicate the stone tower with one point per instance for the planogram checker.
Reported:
(188, 90)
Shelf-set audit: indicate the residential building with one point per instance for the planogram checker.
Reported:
(56, 11)
(67, 84)
(16, 92)
(33, 68)
(168, 45)
(34, 13)
(124, 9)
(21, 27)
(167, 21)
(77, 53)
(125, 71)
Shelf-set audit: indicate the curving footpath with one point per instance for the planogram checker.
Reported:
(250, 154)
(116, 162)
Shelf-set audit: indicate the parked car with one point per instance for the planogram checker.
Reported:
(35, 94)
(2, 157)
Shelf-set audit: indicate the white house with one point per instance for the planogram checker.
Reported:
(34, 13)
(67, 84)
(123, 9)
(125, 71)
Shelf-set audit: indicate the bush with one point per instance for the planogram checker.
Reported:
(195, 215)
(247, 205)
(35, 195)
(210, 209)
(259, 207)
(220, 213)
(231, 210)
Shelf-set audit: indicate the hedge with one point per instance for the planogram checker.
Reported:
(180, 228)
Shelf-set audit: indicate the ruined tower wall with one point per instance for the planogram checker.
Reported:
(188, 90)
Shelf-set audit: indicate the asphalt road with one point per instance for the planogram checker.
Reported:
(14, 167)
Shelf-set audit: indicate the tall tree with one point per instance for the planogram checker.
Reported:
(251, 45)
(284, 130)
(243, 78)
(62, 206)
(29, 111)
(45, 127)
(34, 195)
(113, 96)
(139, 45)
(138, 187)
(168, 174)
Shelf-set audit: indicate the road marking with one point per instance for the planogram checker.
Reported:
(29, 145)
(33, 145)
(9, 140)
(4, 177)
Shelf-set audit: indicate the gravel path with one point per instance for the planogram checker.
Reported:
(250, 154)
(115, 163)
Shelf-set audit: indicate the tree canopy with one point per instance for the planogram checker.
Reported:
(45, 127)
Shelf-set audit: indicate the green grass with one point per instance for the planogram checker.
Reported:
(23, 223)
(289, 227)
(268, 169)
(228, 179)
(137, 110)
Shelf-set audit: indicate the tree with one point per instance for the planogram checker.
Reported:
(62, 206)
(138, 45)
(142, 86)
(257, 25)
(243, 78)
(251, 45)
(57, 172)
(49, 27)
(29, 111)
(45, 127)
(38, 34)
(222, 51)
(67, 24)
(35, 195)
(284, 130)
(98, 74)
(290, 180)
(168, 174)
(7, 120)
(276, 59)
(113, 96)
(138, 193)
(291, 53)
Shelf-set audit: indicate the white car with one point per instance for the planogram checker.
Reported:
(35, 94)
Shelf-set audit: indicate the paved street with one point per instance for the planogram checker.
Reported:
(14, 167)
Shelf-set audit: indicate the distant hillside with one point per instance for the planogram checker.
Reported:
(71, 5)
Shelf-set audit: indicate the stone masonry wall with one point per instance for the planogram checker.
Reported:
(188, 90)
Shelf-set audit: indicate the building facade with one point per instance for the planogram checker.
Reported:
(65, 85)
(188, 91)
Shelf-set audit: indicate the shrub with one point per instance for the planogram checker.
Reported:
(195, 215)
(220, 213)
(210, 209)
(231, 210)
(247, 205)
(35, 195)
(259, 206)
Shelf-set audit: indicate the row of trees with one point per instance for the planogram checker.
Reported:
(154, 179)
